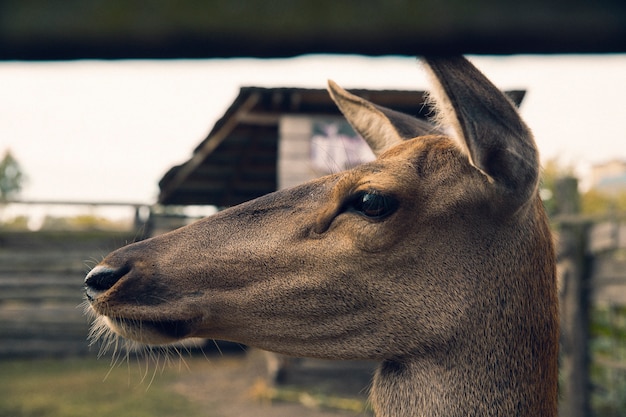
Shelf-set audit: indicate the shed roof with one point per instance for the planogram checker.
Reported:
(238, 159)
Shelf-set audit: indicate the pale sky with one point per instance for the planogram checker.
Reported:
(109, 130)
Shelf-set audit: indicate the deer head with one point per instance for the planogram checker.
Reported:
(435, 259)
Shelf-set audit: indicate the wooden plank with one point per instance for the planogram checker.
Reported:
(28, 329)
(607, 235)
(48, 331)
(31, 313)
(10, 348)
(34, 279)
(48, 287)
(49, 294)
(609, 294)
(608, 283)
(608, 269)
(31, 261)
(602, 236)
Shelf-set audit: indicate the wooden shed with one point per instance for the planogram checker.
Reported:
(272, 138)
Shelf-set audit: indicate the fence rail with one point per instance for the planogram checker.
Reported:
(606, 235)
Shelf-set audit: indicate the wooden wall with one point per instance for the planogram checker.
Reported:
(294, 149)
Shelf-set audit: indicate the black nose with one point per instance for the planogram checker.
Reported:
(102, 278)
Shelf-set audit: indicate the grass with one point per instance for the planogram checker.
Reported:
(89, 387)
(95, 388)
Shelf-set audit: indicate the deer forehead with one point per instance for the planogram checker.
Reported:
(422, 172)
(409, 165)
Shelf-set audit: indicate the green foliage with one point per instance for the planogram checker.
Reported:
(597, 203)
(608, 361)
(16, 223)
(592, 202)
(83, 222)
(11, 177)
(79, 387)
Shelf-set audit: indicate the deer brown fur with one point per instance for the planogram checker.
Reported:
(436, 259)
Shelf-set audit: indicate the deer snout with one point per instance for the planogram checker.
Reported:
(101, 279)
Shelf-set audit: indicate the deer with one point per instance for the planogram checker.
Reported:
(435, 259)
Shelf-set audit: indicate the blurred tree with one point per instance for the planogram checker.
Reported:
(592, 202)
(599, 203)
(83, 222)
(11, 177)
(15, 223)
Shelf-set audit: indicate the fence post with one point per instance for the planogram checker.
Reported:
(573, 273)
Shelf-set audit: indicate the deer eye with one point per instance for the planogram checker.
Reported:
(372, 204)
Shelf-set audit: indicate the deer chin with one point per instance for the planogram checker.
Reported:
(149, 332)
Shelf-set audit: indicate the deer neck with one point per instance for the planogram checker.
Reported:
(421, 387)
(491, 368)
(415, 387)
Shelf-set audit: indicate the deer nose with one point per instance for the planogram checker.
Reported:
(101, 279)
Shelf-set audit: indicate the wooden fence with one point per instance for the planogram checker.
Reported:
(42, 273)
(41, 280)
(592, 283)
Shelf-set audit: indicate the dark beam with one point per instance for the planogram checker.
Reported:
(40, 29)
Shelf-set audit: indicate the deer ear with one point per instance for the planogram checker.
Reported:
(497, 141)
(381, 127)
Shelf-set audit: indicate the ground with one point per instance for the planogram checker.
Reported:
(235, 386)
